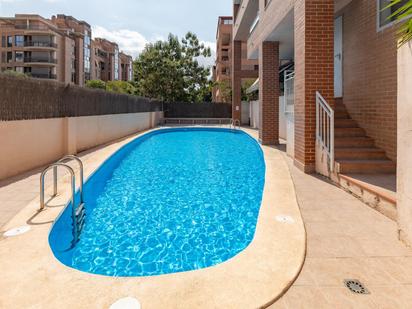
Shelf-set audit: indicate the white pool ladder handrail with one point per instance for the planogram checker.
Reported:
(65, 159)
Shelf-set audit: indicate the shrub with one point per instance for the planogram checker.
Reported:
(96, 83)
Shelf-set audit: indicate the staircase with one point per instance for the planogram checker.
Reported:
(354, 151)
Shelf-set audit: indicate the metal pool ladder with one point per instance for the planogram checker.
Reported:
(78, 213)
(235, 123)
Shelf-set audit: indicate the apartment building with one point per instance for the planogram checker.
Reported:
(34, 45)
(343, 93)
(126, 67)
(59, 49)
(105, 60)
(223, 68)
(80, 32)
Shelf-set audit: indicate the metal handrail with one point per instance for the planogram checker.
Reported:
(325, 127)
(235, 123)
(65, 159)
(42, 176)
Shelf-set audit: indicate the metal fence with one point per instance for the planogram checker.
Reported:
(197, 110)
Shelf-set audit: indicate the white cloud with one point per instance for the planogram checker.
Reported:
(131, 42)
(210, 61)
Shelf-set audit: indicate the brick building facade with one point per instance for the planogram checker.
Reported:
(60, 48)
(343, 49)
(224, 67)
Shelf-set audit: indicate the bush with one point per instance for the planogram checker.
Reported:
(96, 83)
(120, 86)
(15, 74)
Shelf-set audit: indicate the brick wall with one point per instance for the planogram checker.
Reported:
(370, 74)
(314, 32)
(269, 93)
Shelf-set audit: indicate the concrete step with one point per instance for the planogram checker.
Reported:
(376, 190)
(365, 166)
(353, 142)
(372, 153)
(346, 123)
(350, 132)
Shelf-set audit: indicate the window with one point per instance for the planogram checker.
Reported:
(3, 41)
(19, 56)
(9, 56)
(9, 41)
(383, 14)
(19, 40)
(20, 69)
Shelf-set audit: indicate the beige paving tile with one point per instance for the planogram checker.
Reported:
(383, 247)
(343, 298)
(329, 247)
(400, 268)
(392, 297)
(299, 297)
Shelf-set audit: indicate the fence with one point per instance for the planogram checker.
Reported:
(197, 110)
(22, 99)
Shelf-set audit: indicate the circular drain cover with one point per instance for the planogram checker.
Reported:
(356, 286)
(126, 303)
(17, 231)
(285, 219)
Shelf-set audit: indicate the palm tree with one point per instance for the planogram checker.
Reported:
(404, 13)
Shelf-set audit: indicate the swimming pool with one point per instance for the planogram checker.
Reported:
(171, 200)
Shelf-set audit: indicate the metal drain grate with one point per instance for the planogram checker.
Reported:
(356, 286)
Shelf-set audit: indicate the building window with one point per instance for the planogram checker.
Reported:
(19, 40)
(384, 19)
(86, 54)
(19, 56)
(9, 56)
(3, 41)
(20, 69)
(116, 64)
(9, 41)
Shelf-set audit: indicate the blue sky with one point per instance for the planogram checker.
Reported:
(132, 23)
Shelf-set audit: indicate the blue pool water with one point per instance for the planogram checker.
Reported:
(173, 200)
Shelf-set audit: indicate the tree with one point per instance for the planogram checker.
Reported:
(402, 13)
(96, 83)
(169, 70)
(225, 90)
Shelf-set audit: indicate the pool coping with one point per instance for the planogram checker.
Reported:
(254, 278)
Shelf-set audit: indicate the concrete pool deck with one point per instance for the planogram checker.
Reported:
(32, 277)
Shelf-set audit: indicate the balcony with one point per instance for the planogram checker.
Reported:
(43, 75)
(32, 27)
(40, 44)
(40, 60)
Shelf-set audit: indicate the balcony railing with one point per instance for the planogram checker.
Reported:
(31, 27)
(40, 44)
(254, 24)
(43, 75)
(40, 60)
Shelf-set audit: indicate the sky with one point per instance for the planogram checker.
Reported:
(133, 23)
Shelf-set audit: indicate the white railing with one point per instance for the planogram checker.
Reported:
(289, 91)
(325, 128)
(254, 23)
